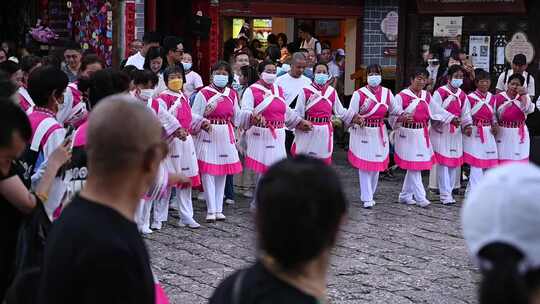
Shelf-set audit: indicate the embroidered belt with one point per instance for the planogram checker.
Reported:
(318, 119)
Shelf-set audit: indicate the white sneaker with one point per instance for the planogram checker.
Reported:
(408, 202)
(220, 217)
(156, 225)
(229, 201)
(448, 202)
(210, 217)
(369, 205)
(200, 197)
(248, 194)
(146, 230)
(194, 225)
(424, 204)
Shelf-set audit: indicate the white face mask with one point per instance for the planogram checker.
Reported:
(268, 78)
(146, 94)
(374, 80)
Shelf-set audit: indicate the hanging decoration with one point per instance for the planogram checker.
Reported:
(90, 24)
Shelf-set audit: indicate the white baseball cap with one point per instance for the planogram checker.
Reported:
(505, 208)
(340, 52)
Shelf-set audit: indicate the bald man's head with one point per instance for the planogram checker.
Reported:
(298, 64)
(123, 136)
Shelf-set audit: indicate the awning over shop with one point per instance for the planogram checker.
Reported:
(292, 8)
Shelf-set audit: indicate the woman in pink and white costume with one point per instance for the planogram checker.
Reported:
(216, 149)
(368, 144)
(316, 103)
(74, 111)
(480, 149)
(144, 82)
(270, 114)
(413, 149)
(512, 108)
(182, 156)
(446, 137)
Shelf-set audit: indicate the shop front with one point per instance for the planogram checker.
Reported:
(490, 33)
(337, 24)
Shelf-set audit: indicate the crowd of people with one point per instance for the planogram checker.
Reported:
(83, 143)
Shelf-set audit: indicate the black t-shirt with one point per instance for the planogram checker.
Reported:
(95, 255)
(10, 221)
(259, 286)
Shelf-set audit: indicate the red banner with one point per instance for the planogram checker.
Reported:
(130, 24)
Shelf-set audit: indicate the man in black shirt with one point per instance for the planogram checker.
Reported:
(94, 253)
(306, 198)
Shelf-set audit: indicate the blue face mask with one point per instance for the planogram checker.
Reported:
(321, 78)
(220, 81)
(187, 65)
(374, 80)
(456, 83)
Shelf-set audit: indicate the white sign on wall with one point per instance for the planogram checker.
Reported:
(447, 26)
(519, 44)
(479, 51)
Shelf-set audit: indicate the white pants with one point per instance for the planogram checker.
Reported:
(161, 208)
(214, 188)
(475, 176)
(185, 205)
(413, 189)
(433, 177)
(368, 184)
(446, 178)
(143, 214)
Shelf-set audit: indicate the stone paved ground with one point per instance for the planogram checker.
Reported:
(391, 254)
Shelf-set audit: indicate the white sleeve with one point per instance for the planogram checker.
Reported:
(353, 109)
(63, 115)
(466, 118)
(199, 105)
(393, 108)
(292, 119)
(248, 102)
(529, 106)
(438, 112)
(242, 118)
(338, 108)
(436, 97)
(301, 104)
(318, 49)
(197, 82)
(538, 103)
(398, 108)
(530, 87)
(500, 82)
(56, 138)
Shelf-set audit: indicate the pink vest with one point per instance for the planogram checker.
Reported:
(77, 95)
(484, 114)
(23, 102)
(224, 107)
(381, 111)
(168, 99)
(277, 108)
(421, 113)
(36, 118)
(80, 137)
(323, 108)
(183, 112)
(512, 113)
(455, 105)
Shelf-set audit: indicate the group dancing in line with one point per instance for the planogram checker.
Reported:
(448, 128)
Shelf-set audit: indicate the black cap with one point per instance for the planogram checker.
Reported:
(520, 59)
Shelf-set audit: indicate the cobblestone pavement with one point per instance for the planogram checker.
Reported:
(391, 254)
